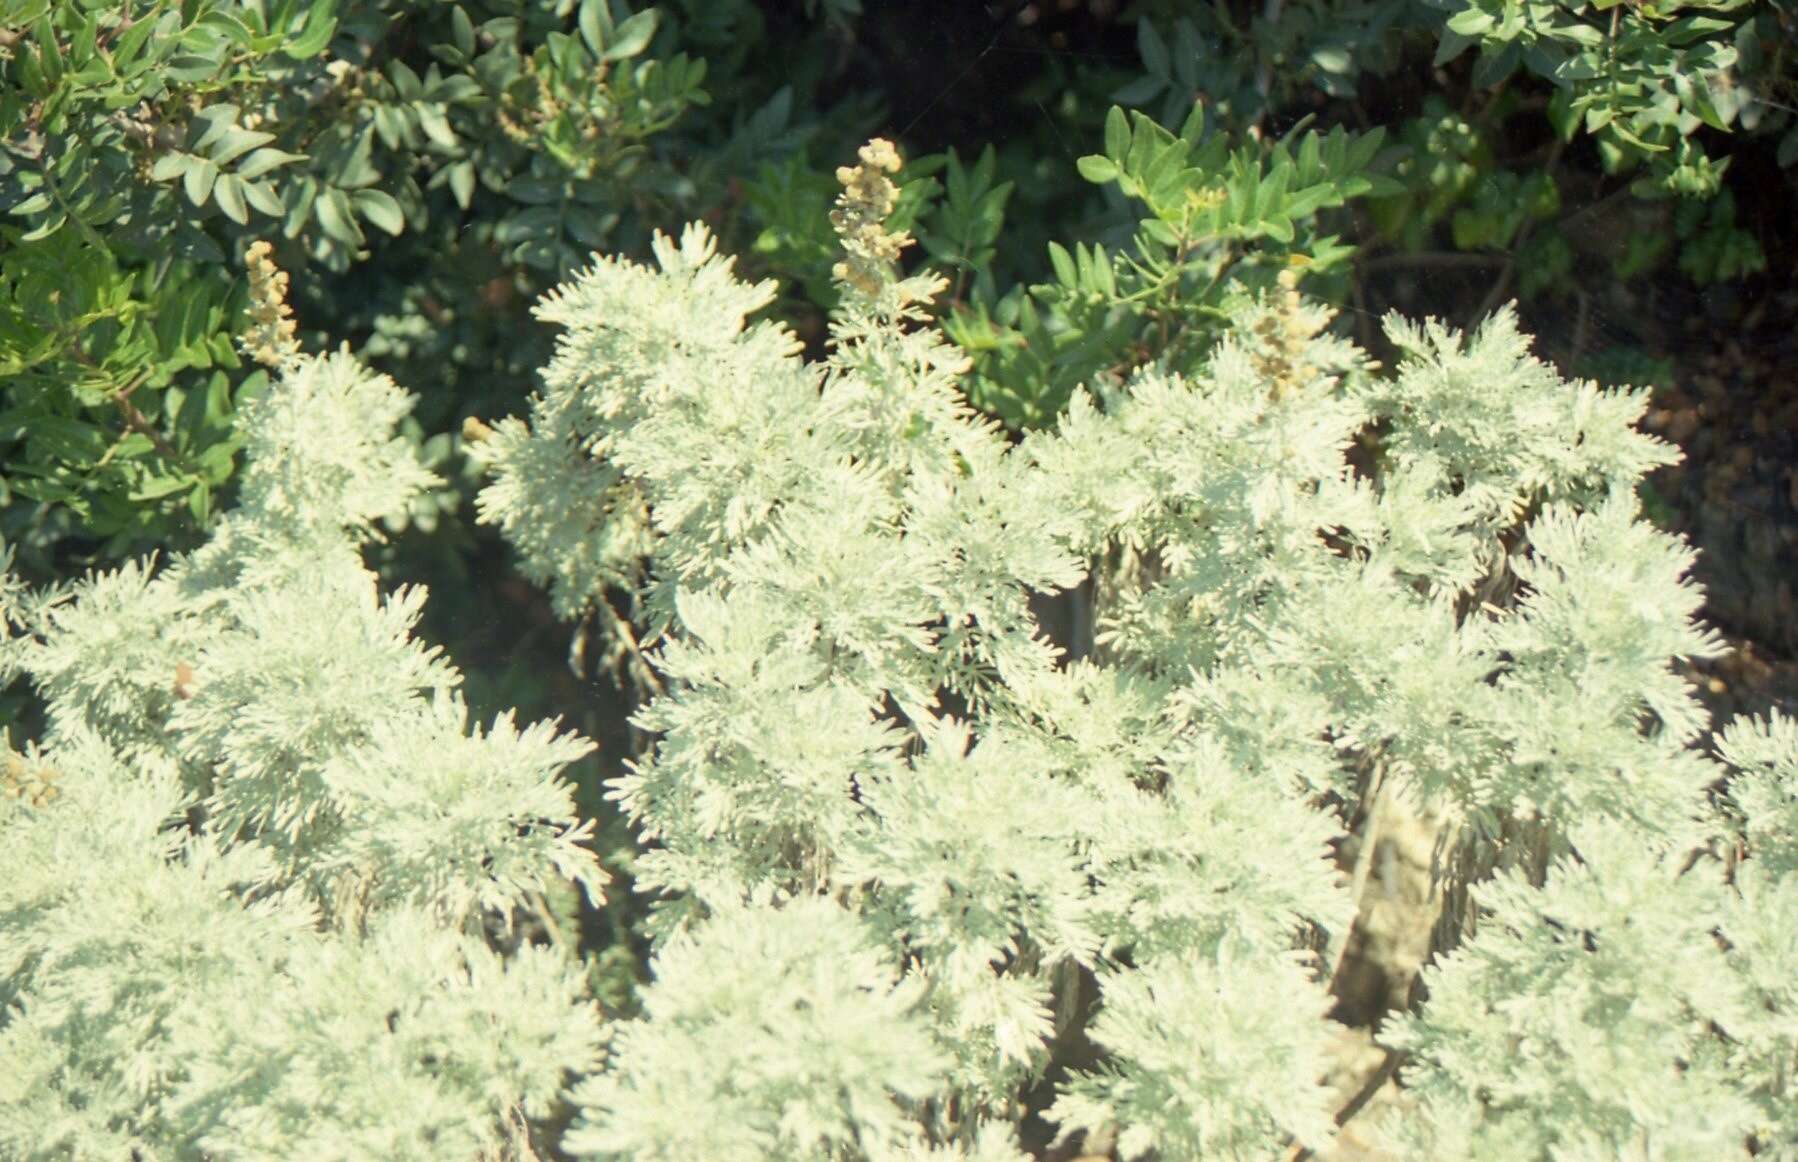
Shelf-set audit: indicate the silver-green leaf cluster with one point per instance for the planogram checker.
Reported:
(1319, 585)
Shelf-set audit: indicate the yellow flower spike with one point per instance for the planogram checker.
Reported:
(270, 337)
(868, 196)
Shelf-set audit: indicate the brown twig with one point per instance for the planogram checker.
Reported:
(137, 422)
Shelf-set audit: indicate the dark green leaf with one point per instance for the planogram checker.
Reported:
(191, 68)
(70, 439)
(300, 208)
(1270, 196)
(461, 181)
(1333, 58)
(1695, 95)
(165, 323)
(228, 193)
(263, 196)
(195, 244)
(590, 229)
(315, 34)
(48, 491)
(567, 54)
(535, 191)
(35, 204)
(1583, 35)
(132, 42)
(1160, 231)
(81, 43)
(1117, 136)
(380, 208)
(1193, 128)
(1362, 149)
(1097, 169)
(448, 90)
(227, 25)
(1469, 23)
(133, 445)
(160, 486)
(1492, 67)
(215, 462)
(405, 80)
(1102, 276)
(592, 13)
(1309, 161)
(392, 126)
(49, 52)
(169, 166)
(436, 125)
(462, 30)
(1152, 48)
(31, 73)
(1142, 89)
(237, 141)
(197, 180)
(1687, 29)
(1309, 200)
(263, 160)
(45, 228)
(1148, 141)
(538, 222)
(335, 216)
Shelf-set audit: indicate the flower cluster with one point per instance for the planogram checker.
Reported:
(31, 783)
(269, 340)
(868, 196)
(1287, 329)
